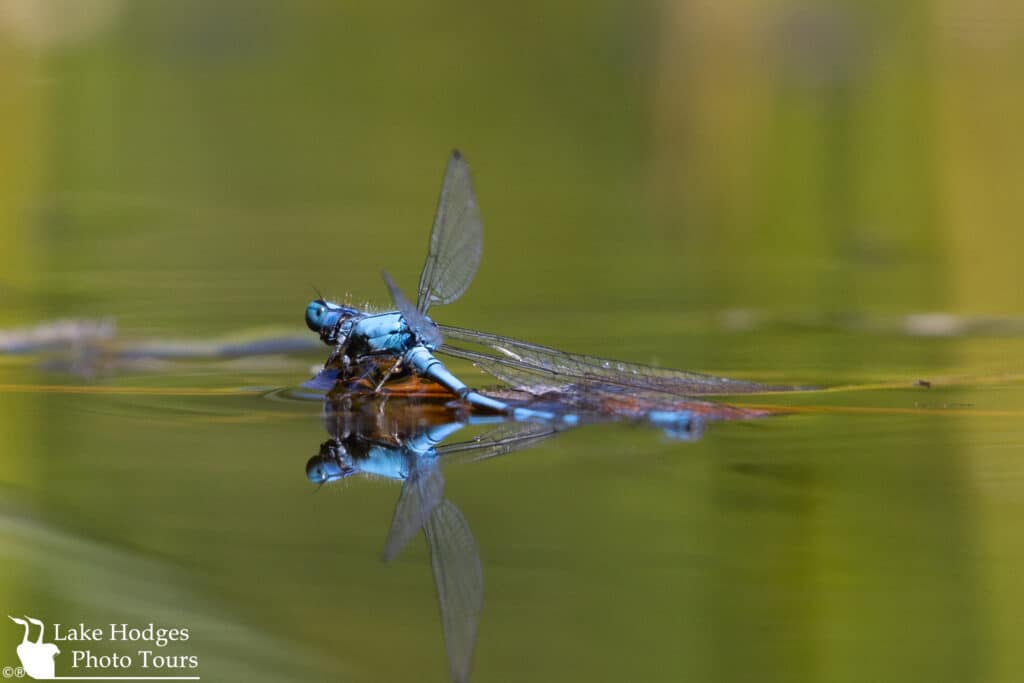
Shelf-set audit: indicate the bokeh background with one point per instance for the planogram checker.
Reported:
(791, 191)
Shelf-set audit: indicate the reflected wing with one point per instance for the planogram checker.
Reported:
(421, 492)
(506, 438)
(459, 581)
(519, 358)
(418, 322)
(455, 242)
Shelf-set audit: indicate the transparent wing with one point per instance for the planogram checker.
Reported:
(459, 581)
(455, 242)
(418, 322)
(522, 376)
(560, 368)
(421, 493)
(585, 396)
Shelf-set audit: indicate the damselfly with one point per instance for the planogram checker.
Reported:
(406, 443)
(407, 338)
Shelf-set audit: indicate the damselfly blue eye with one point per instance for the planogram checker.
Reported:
(315, 315)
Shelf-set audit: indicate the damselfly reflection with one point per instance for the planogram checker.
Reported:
(403, 439)
(408, 430)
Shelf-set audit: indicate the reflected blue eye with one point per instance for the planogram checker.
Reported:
(317, 470)
(321, 470)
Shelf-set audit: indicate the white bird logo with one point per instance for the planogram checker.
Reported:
(36, 657)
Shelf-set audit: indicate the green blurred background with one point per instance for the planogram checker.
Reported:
(767, 190)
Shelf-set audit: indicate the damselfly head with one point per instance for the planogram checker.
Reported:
(329, 464)
(323, 315)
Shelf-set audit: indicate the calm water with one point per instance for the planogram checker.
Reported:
(784, 549)
(769, 194)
